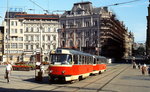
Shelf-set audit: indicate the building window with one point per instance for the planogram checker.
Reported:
(20, 39)
(37, 46)
(37, 38)
(21, 23)
(7, 46)
(32, 29)
(54, 37)
(63, 43)
(27, 47)
(20, 45)
(13, 45)
(31, 47)
(15, 23)
(12, 23)
(12, 31)
(48, 46)
(48, 38)
(95, 23)
(27, 29)
(31, 37)
(49, 29)
(71, 43)
(21, 30)
(43, 37)
(26, 37)
(15, 30)
(87, 23)
(87, 43)
(37, 30)
(43, 46)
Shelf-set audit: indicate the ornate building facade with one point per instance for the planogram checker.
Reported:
(93, 30)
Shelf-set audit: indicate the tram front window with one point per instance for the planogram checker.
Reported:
(60, 59)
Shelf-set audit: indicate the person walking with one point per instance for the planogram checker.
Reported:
(139, 66)
(143, 69)
(134, 65)
(8, 71)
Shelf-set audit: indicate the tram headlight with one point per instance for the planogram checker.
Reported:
(63, 72)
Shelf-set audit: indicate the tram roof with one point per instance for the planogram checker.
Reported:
(70, 51)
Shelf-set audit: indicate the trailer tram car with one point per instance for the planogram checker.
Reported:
(70, 65)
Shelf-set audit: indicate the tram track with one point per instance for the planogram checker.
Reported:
(108, 74)
(100, 89)
(117, 70)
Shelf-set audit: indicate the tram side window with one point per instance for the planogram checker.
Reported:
(91, 60)
(75, 58)
(80, 59)
(85, 62)
(103, 61)
(99, 61)
(83, 59)
(69, 59)
(88, 60)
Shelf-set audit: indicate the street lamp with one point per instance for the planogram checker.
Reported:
(41, 40)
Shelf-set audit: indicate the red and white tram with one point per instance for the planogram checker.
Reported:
(70, 65)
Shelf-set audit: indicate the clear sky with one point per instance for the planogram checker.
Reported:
(132, 14)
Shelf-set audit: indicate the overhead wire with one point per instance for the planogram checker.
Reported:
(122, 3)
(39, 6)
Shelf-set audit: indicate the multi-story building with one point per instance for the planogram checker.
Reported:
(25, 34)
(129, 41)
(94, 30)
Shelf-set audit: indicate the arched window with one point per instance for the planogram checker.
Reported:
(71, 43)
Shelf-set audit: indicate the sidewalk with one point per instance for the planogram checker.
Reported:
(131, 80)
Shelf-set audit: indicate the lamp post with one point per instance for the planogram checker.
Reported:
(8, 27)
(41, 40)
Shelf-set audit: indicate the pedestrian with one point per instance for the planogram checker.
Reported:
(134, 65)
(42, 69)
(148, 70)
(143, 69)
(8, 71)
(139, 66)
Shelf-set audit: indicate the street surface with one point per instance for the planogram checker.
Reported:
(117, 78)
